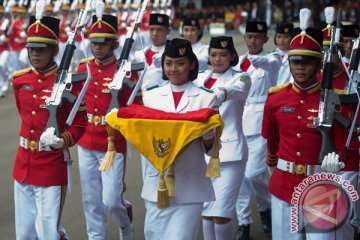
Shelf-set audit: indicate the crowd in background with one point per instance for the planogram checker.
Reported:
(282, 11)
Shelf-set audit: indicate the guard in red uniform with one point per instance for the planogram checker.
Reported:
(40, 171)
(102, 191)
(293, 142)
(4, 52)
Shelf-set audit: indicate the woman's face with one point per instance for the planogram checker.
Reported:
(220, 59)
(178, 69)
(191, 33)
(283, 41)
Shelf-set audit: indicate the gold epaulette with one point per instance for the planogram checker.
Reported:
(20, 72)
(84, 60)
(339, 91)
(278, 88)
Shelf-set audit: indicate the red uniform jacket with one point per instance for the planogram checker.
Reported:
(42, 168)
(291, 135)
(17, 43)
(97, 101)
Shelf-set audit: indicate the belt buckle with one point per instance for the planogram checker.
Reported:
(300, 169)
(96, 120)
(33, 145)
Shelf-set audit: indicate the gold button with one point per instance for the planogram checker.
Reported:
(33, 113)
(299, 117)
(298, 135)
(99, 71)
(96, 110)
(40, 80)
(96, 83)
(34, 96)
(302, 101)
(96, 96)
(32, 131)
(298, 154)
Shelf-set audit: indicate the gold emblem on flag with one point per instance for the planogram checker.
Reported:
(224, 43)
(160, 19)
(161, 148)
(182, 51)
(260, 27)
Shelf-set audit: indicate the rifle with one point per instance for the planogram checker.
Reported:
(63, 84)
(328, 99)
(125, 67)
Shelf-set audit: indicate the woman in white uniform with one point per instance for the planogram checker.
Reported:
(192, 31)
(181, 220)
(217, 215)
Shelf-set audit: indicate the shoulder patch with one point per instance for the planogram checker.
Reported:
(152, 87)
(245, 78)
(21, 72)
(278, 88)
(84, 60)
(207, 90)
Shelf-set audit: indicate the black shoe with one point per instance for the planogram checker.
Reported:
(265, 218)
(243, 232)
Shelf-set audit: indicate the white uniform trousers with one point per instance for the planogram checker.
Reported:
(176, 222)
(4, 74)
(101, 192)
(281, 225)
(226, 189)
(33, 201)
(255, 181)
(18, 60)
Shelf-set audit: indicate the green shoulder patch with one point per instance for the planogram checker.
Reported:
(278, 88)
(152, 87)
(84, 60)
(245, 79)
(207, 90)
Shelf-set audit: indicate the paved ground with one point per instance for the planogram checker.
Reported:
(73, 218)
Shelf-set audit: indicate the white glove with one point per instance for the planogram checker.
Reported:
(220, 95)
(48, 138)
(157, 61)
(23, 34)
(331, 163)
(259, 61)
(2, 38)
(112, 110)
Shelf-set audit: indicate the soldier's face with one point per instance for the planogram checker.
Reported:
(255, 42)
(103, 51)
(191, 33)
(283, 41)
(41, 57)
(158, 34)
(348, 42)
(220, 59)
(178, 69)
(304, 71)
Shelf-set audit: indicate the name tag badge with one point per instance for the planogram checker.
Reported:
(27, 87)
(287, 109)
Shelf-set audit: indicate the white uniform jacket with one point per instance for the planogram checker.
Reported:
(202, 53)
(153, 75)
(191, 184)
(261, 80)
(237, 85)
(284, 72)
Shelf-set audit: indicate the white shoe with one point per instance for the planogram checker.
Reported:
(127, 233)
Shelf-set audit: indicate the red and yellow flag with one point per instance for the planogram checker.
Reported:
(159, 135)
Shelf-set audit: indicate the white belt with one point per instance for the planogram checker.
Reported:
(96, 119)
(298, 169)
(33, 145)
